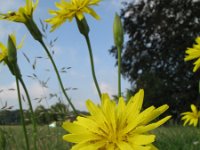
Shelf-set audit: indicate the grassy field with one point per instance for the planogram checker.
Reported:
(168, 138)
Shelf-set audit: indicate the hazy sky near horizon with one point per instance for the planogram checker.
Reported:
(70, 51)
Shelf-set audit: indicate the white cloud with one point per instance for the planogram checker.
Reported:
(9, 94)
(107, 88)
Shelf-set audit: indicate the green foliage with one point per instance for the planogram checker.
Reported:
(2, 140)
(159, 32)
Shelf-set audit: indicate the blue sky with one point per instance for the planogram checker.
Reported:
(70, 51)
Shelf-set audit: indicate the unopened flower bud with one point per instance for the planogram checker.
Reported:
(118, 31)
(12, 51)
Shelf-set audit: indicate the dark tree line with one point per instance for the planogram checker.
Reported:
(58, 112)
(159, 32)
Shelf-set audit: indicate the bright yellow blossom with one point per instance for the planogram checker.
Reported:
(112, 126)
(67, 10)
(191, 117)
(22, 14)
(194, 53)
(4, 49)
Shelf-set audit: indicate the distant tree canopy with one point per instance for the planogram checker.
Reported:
(58, 112)
(159, 32)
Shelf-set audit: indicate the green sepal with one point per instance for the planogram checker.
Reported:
(83, 26)
(33, 28)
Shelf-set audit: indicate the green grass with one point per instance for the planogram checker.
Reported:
(167, 138)
(48, 138)
(178, 138)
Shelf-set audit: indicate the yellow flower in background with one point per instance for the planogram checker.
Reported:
(191, 117)
(22, 14)
(67, 10)
(4, 49)
(112, 126)
(194, 53)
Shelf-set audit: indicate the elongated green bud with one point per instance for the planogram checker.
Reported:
(12, 58)
(118, 31)
(12, 51)
(83, 26)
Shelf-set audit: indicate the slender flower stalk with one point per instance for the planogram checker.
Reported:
(119, 71)
(92, 65)
(22, 115)
(67, 10)
(12, 61)
(118, 39)
(33, 119)
(58, 76)
(25, 15)
(84, 30)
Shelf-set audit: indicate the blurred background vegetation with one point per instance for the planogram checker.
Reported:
(158, 33)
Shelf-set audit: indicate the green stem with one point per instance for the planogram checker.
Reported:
(22, 115)
(32, 113)
(119, 70)
(58, 76)
(92, 64)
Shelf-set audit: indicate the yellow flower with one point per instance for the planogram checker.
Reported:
(194, 53)
(191, 117)
(4, 49)
(22, 14)
(112, 126)
(67, 10)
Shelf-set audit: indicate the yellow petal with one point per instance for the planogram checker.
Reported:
(142, 139)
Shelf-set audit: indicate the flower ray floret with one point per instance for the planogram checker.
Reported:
(194, 53)
(67, 10)
(22, 14)
(115, 126)
(192, 117)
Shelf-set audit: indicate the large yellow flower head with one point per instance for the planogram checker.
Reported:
(22, 14)
(67, 10)
(194, 53)
(4, 49)
(191, 117)
(112, 126)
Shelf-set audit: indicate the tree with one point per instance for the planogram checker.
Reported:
(42, 115)
(159, 32)
(59, 111)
